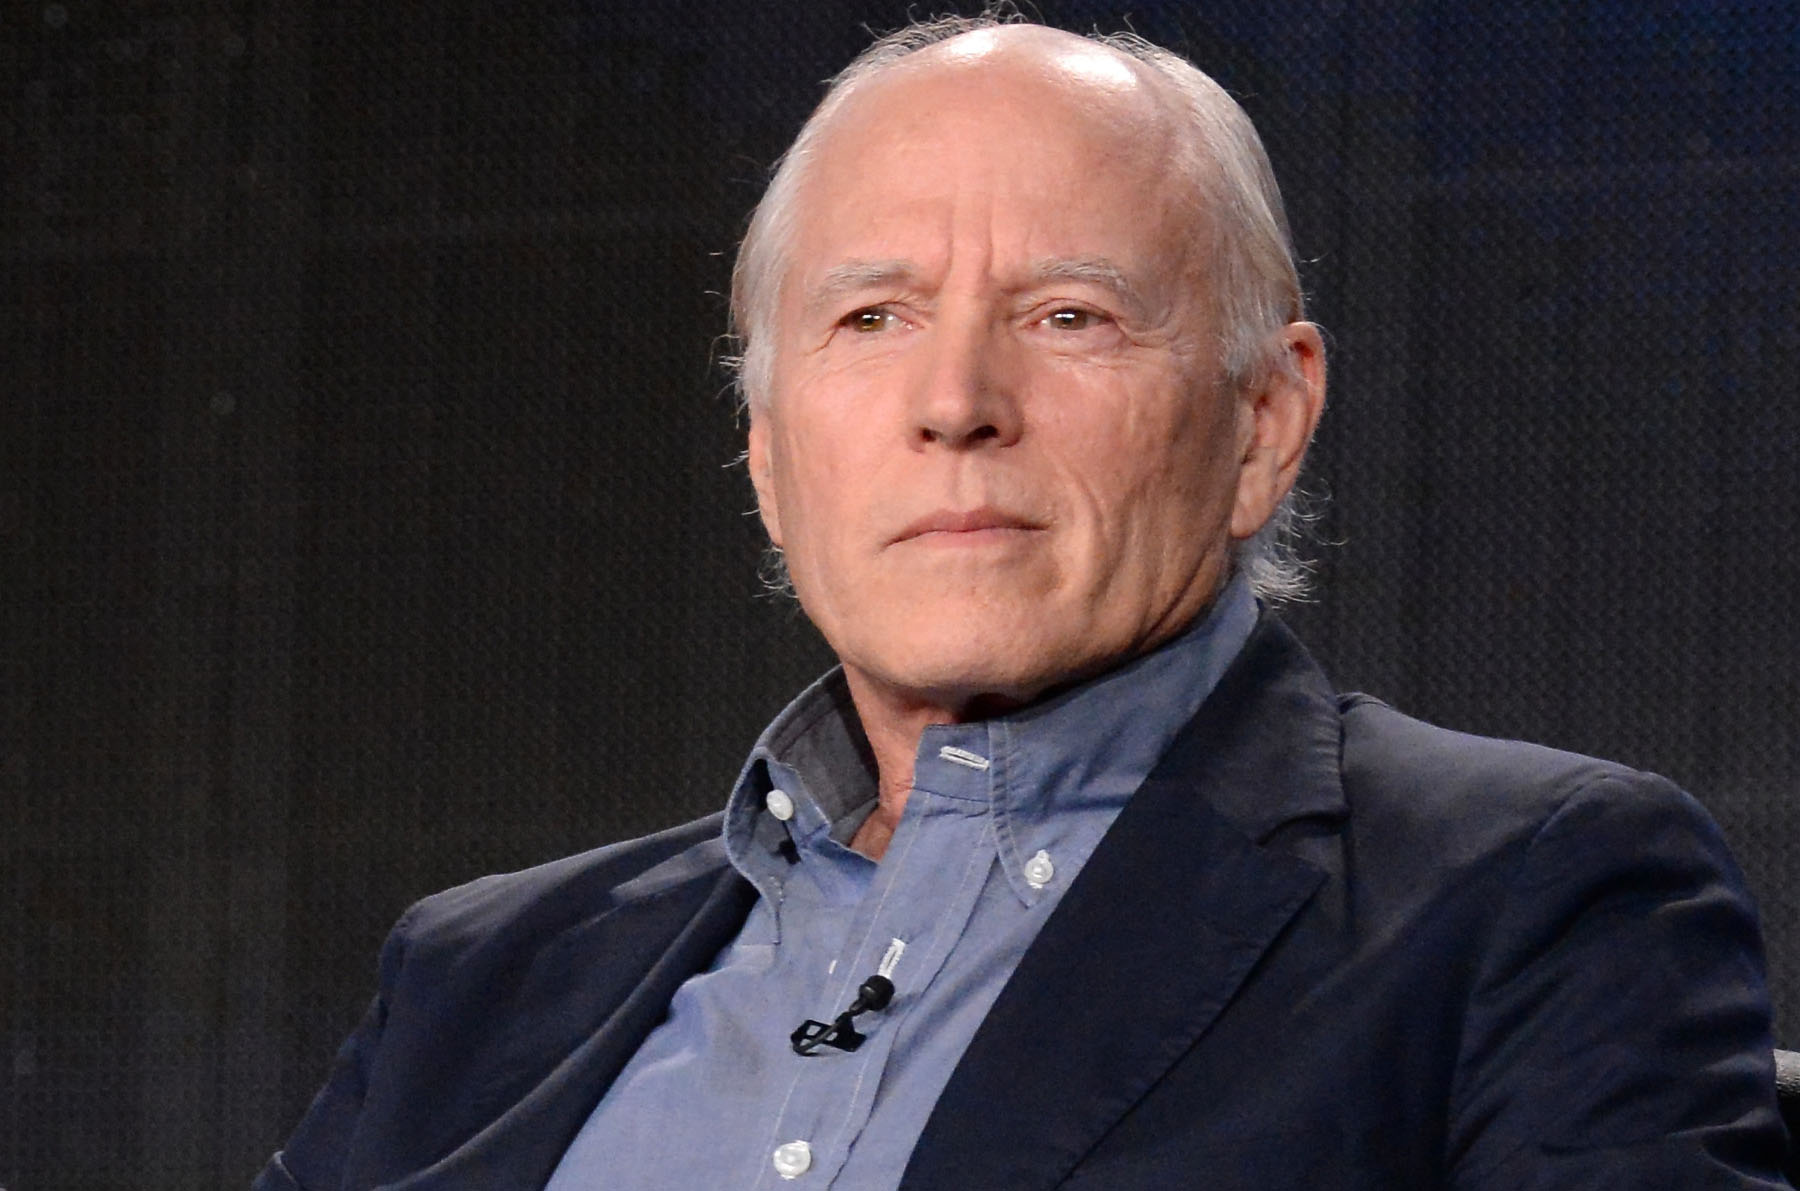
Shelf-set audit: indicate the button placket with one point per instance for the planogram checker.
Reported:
(927, 905)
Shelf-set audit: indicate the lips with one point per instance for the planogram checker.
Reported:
(970, 521)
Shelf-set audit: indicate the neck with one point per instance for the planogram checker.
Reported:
(894, 722)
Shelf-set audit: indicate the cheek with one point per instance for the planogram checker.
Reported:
(1201, 451)
(1173, 452)
(813, 482)
(1165, 490)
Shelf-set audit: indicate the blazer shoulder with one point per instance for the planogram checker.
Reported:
(1385, 741)
(547, 898)
(1456, 791)
(494, 988)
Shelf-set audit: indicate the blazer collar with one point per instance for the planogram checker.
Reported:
(1154, 937)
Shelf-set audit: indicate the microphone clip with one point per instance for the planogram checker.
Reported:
(841, 1033)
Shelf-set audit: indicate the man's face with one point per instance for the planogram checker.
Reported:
(999, 454)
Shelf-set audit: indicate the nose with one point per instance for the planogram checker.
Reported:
(966, 395)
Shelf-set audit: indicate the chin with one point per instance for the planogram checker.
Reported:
(1009, 665)
(936, 642)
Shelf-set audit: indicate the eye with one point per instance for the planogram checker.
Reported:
(1072, 318)
(869, 320)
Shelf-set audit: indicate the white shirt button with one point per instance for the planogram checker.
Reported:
(780, 805)
(1039, 870)
(792, 1159)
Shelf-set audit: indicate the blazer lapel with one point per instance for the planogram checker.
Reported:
(1154, 938)
(569, 1042)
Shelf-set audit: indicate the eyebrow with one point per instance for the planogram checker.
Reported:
(1089, 270)
(857, 275)
(851, 276)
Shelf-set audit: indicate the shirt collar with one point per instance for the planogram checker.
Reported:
(1056, 773)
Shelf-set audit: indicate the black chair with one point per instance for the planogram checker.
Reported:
(1787, 1091)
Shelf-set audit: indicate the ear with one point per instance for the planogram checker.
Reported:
(762, 476)
(1276, 424)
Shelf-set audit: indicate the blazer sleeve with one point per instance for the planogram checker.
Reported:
(1618, 1034)
(313, 1159)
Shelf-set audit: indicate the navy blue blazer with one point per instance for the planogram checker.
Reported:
(1324, 946)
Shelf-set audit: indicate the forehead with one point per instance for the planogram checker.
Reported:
(1046, 150)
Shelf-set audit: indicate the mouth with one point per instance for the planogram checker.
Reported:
(966, 527)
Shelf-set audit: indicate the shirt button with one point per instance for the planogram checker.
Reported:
(1039, 870)
(792, 1159)
(780, 805)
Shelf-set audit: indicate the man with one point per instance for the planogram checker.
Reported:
(1076, 873)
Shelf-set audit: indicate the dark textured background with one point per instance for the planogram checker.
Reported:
(366, 521)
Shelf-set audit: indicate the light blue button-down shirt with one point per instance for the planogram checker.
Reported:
(1002, 815)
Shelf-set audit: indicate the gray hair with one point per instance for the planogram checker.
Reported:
(1254, 278)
